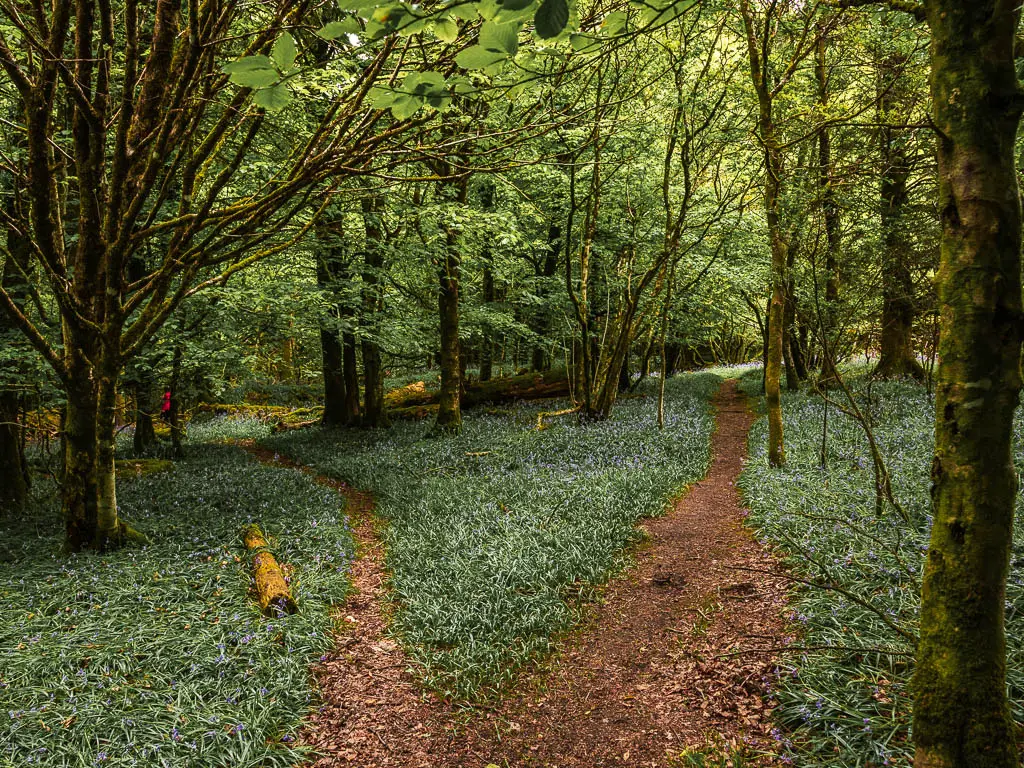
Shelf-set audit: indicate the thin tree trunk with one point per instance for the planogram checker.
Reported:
(14, 478)
(350, 368)
(341, 388)
(542, 316)
(833, 227)
(961, 715)
(774, 168)
(144, 441)
(449, 410)
(174, 414)
(897, 357)
(487, 259)
(374, 414)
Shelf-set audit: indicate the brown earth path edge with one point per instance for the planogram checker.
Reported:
(666, 662)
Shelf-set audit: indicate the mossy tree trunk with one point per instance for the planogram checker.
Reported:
(449, 410)
(759, 52)
(831, 214)
(374, 413)
(542, 315)
(961, 717)
(337, 341)
(897, 357)
(14, 477)
(147, 402)
(487, 260)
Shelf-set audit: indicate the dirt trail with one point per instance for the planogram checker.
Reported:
(667, 661)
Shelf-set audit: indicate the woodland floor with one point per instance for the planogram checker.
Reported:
(673, 660)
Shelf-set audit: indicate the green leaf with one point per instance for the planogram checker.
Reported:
(429, 87)
(389, 14)
(500, 37)
(614, 23)
(382, 98)
(284, 52)
(551, 18)
(273, 99)
(423, 82)
(335, 29)
(662, 13)
(405, 106)
(247, 63)
(514, 5)
(447, 29)
(362, 7)
(478, 57)
(255, 78)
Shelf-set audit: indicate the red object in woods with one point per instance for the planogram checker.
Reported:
(166, 407)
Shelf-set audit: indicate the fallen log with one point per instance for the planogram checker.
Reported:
(526, 386)
(272, 592)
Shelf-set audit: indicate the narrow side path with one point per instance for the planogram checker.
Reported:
(370, 701)
(668, 660)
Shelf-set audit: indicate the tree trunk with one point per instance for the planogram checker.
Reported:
(961, 716)
(542, 315)
(144, 441)
(89, 499)
(449, 411)
(341, 388)
(174, 413)
(350, 367)
(334, 379)
(897, 357)
(793, 378)
(14, 477)
(79, 488)
(774, 168)
(487, 258)
(833, 228)
(374, 414)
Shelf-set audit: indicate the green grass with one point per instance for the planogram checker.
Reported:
(158, 656)
(495, 537)
(851, 707)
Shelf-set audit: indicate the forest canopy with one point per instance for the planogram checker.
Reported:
(361, 212)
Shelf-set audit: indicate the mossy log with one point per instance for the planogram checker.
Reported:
(245, 409)
(273, 594)
(527, 386)
(140, 467)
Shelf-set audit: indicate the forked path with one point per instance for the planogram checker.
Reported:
(676, 655)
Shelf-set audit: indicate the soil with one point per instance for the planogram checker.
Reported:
(676, 657)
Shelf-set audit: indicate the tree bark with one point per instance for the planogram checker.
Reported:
(14, 477)
(542, 315)
(833, 223)
(374, 413)
(341, 386)
(449, 411)
(774, 168)
(961, 715)
(897, 357)
(487, 258)
(144, 441)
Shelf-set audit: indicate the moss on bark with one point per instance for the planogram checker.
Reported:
(961, 717)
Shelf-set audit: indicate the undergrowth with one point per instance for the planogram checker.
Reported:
(847, 702)
(158, 656)
(496, 536)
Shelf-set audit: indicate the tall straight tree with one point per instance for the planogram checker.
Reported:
(961, 717)
(760, 27)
